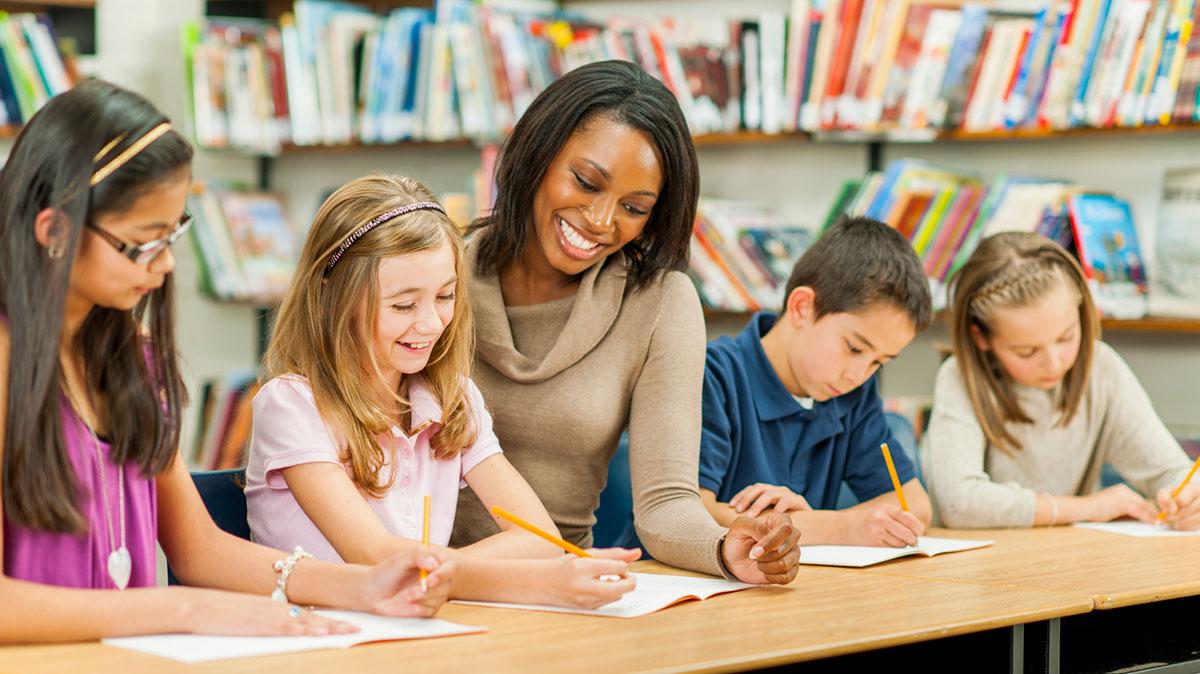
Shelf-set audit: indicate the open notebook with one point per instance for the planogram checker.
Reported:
(862, 555)
(654, 592)
(202, 648)
(1135, 529)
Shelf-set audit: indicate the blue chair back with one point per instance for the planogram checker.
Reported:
(223, 496)
(223, 493)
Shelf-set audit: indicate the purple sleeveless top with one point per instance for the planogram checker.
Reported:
(81, 560)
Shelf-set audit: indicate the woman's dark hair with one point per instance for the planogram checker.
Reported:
(624, 93)
(129, 356)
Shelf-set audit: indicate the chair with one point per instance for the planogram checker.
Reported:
(223, 496)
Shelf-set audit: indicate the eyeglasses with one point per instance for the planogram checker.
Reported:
(146, 252)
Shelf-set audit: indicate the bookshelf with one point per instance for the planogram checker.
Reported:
(798, 169)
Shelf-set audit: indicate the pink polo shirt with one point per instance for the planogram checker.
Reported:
(288, 431)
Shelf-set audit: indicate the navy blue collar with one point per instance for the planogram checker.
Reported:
(773, 401)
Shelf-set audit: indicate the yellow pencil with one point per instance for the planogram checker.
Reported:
(887, 456)
(573, 549)
(1162, 515)
(425, 544)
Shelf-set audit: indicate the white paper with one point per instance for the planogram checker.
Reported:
(203, 648)
(859, 556)
(1135, 529)
(654, 592)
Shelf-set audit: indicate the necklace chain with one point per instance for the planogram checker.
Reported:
(108, 525)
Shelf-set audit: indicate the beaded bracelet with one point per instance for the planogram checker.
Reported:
(284, 568)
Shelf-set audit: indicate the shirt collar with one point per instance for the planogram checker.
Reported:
(426, 410)
(772, 401)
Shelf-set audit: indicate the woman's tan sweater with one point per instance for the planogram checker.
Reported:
(564, 378)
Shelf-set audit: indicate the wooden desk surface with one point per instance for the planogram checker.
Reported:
(825, 612)
(1113, 570)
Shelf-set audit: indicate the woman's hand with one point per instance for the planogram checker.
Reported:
(762, 550)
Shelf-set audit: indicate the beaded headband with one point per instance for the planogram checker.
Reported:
(129, 152)
(375, 222)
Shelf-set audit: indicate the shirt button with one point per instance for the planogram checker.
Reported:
(404, 482)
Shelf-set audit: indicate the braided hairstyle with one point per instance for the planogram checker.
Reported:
(1010, 270)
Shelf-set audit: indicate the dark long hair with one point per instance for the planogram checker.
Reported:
(624, 93)
(129, 356)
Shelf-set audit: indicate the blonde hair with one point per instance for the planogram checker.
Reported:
(1010, 270)
(326, 322)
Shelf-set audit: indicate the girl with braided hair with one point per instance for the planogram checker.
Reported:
(1032, 404)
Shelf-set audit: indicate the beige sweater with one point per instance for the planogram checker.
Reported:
(974, 484)
(563, 379)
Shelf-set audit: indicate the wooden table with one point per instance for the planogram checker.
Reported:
(825, 612)
(1115, 571)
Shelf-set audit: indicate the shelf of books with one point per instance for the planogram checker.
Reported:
(332, 73)
(741, 253)
(33, 67)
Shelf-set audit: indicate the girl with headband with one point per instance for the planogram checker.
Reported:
(91, 200)
(370, 415)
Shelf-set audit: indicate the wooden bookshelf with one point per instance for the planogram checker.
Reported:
(750, 138)
(759, 138)
(29, 5)
(356, 146)
(1190, 326)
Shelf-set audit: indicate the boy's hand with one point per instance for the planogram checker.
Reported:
(882, 524)
(1183, 511)
(756, 498)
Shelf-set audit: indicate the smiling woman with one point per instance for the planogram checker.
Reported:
(585, 323)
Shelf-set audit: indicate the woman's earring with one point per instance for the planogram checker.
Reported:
(55, 250)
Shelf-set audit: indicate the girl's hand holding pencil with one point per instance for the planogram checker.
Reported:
(393, 587)
(1180, 509)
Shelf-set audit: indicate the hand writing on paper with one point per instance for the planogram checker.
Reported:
(756, 498)
(1183, 511)
(393, 587)
(762, 550)
(1116, 502)
(590, 582)
(881, 524)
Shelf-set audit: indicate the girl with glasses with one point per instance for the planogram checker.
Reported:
(91, 398)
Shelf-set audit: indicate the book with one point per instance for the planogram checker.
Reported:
(374, 629)
(859, 556)
(1107, 244)
(654, 592)
(1135, 529)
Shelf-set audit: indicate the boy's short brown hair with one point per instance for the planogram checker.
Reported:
(860, 262)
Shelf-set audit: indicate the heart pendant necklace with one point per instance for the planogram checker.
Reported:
(120, 564)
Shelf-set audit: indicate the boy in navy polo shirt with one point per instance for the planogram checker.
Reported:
(792, 406)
